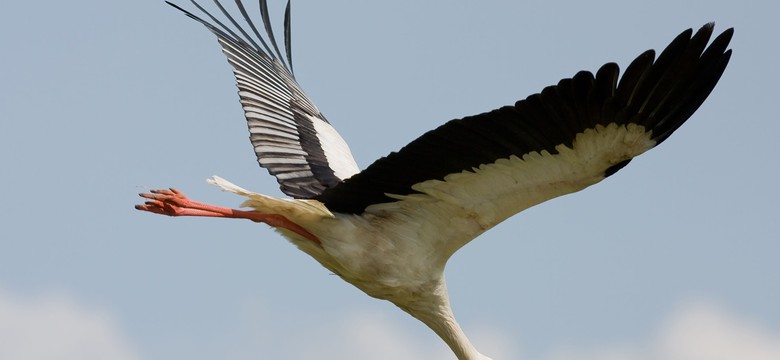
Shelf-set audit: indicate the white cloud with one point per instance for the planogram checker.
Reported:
(697, 330)
(56, 327)
(362, 334)
(374, 336)
(703, 331)
(493, 342)
(365, 335)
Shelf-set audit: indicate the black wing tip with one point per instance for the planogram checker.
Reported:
(709, 64)
(706, 30)
(221, 30)
(725, 36)
(648, 55)
(177, 7)
(727, 55)
(709, 28)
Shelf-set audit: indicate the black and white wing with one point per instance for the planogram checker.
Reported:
(483, 168)
(487, 167)
(290, 136)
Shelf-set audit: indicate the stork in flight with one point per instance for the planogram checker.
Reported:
(390, 229)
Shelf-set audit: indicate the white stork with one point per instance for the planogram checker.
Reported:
(390, 229)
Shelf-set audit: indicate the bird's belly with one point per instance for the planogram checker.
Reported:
(389, 258)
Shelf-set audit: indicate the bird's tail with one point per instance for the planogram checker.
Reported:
(292, 209)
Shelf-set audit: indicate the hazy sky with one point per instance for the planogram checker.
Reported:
(675, 257)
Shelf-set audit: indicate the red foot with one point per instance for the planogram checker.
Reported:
(173, 203)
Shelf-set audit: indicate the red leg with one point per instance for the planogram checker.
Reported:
(173, 203)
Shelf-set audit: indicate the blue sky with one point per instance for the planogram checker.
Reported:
(675, 257)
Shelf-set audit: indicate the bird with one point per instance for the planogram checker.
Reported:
(390, 228)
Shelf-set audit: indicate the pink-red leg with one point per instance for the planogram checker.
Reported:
(173, 203)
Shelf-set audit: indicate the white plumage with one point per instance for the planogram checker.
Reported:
(390, 229)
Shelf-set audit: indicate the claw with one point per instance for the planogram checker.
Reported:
(169, 192)
(169, 202)
(153, 207)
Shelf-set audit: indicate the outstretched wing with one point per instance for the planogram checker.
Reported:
(290, 136)
(490, 166)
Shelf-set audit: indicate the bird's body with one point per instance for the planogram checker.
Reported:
(390, 229)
